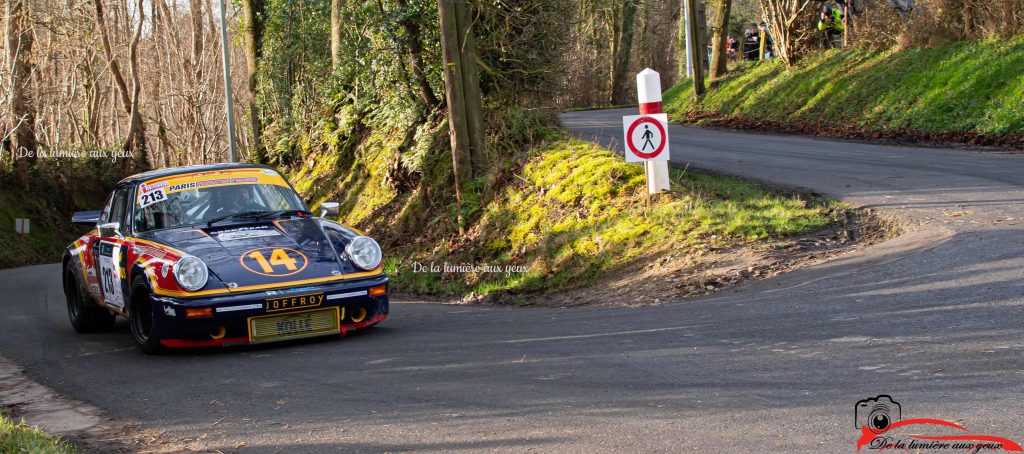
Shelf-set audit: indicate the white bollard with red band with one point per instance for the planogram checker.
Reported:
(648, 90)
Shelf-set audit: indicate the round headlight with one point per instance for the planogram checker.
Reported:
(191, 273)
(364, 252)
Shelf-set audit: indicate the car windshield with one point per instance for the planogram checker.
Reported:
(188, 203)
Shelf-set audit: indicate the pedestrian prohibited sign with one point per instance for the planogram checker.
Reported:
(646, 137)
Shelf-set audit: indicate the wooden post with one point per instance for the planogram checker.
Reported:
(846, 24)
(760, 40)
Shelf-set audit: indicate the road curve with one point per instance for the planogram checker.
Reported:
(933, 318)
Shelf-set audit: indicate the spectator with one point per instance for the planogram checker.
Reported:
(831, 23)
(903, 7)
(751, 44)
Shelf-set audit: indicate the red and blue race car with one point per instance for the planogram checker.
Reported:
(219, 255)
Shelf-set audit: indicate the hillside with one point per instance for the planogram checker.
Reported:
(560, 214)
(58, 188)
(962, 92)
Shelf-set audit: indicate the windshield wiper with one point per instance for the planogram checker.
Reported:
(256, 214)
(243, 214)
(284, 212)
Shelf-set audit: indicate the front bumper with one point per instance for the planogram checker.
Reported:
(230, 320)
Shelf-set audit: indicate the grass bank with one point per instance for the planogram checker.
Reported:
(15, 437)
(557, 215)
(57, 188)
(953, 91)
(576, 212)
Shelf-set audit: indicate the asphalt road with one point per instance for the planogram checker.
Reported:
(932, 317)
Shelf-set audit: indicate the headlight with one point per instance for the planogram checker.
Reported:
(191, 273)
(364, 252)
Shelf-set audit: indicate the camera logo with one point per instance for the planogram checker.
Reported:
(876, 413)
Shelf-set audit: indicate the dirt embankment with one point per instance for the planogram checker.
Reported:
(674, 277)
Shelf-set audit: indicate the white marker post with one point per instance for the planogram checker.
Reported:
(648, 91)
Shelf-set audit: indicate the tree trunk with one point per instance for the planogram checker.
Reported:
(196, 11)
(22, 119)
(136, 128)
(115, 69)
(702, 35)
(682, 69)
(454, 92)
(336, 8)
(129, 100)
(414, 46)
(694, 50)
(623, 46)
(471, 87)
(253, 12)
(719, 63)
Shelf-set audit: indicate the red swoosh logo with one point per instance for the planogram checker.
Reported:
(867, 434)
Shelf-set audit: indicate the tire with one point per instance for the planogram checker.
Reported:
(140, 317)
(85, 317)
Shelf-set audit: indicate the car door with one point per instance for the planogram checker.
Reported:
(108, 249)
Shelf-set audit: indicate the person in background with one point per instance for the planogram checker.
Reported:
(831, 23)
(751, 43)
(730, 49)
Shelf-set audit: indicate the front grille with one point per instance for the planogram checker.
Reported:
(294, 324)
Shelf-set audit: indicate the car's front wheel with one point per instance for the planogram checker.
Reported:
(84, 317)
(141, 317)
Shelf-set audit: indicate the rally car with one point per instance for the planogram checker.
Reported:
(218, 255)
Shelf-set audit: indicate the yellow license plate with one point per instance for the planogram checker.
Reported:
(294, 324)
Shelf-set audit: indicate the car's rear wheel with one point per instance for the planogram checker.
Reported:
(84, 317)
(141, 317)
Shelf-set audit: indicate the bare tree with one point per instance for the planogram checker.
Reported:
(22, 112)
(457, 46)
(782, 18)
(622, 45)
(252, 17)
(136, 138)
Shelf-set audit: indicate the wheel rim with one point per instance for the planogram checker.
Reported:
(142, 320)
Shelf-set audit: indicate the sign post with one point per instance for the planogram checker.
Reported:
(646, 135)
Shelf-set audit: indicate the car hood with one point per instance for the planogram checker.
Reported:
(261, 253)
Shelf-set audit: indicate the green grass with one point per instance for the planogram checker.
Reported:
(961, 87)
(577, 211)
(561, 211)
(18, 438)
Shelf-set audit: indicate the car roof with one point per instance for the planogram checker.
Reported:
(159, 173)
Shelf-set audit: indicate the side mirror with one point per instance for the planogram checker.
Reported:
(86, 218)
(329, 208)
(110, 229)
